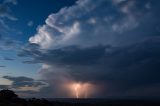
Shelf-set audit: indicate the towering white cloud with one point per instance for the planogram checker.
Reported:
(87, 20)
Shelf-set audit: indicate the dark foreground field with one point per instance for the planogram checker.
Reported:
(9, 98)
(78, 102)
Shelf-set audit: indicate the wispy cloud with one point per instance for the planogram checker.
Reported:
(5, 15)
(2, 66)
(5, 10)
(30, 23)
(9, 59)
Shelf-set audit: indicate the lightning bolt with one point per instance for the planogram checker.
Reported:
(76, 88)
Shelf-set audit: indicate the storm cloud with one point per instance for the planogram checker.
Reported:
(114, 44)
(124, 68)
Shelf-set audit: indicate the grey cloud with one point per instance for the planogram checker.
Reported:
(5, 14)
(5, 86)
(7, 58)
(24, 81)
(18, 78)
(29, 50)
(29, 62)
(25, 86)
(9, 44)
(10, 1)
(2, 66)
(73, 56)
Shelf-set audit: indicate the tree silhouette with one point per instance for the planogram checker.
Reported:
(7, 94)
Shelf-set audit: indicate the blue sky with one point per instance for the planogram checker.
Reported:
(25, 12)
(19, 31)
(109, 48)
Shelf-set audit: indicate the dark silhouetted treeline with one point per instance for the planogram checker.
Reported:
(9, 98)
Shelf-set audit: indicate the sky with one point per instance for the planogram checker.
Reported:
(80, 48)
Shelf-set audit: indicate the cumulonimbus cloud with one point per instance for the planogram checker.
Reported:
(100, 42)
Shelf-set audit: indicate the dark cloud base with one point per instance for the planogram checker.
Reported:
(123, 71)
